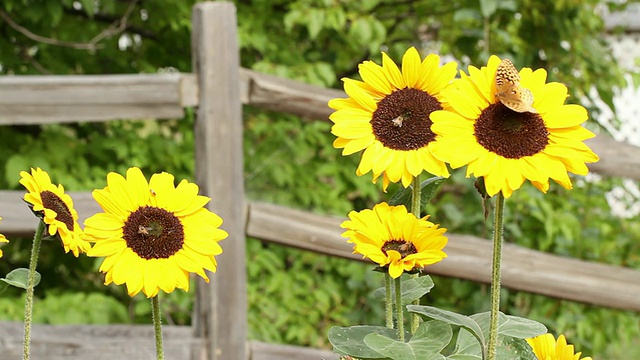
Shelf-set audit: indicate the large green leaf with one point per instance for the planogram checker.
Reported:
(429, 189)
(467, 347)
(350, 340)
(427, 343)
(449, 317)
(412, 289)
(20, 278)
(511, 326)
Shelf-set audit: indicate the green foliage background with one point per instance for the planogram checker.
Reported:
(291, 161)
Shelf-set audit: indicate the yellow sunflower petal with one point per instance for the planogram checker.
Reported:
(445, 74)
(107, 248)
(427, 67)
(357, 145)
(165, 235)
(55, 208)
(384, 232)
(371, 120)
(360, 96)
(545, 347)
(353, 129)
(395, 266)
(373, 74)
(550, 96)
(477, 130)
(411, 67)
(392, 72)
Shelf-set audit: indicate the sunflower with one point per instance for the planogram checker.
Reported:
(2, 240)
(55, 208)
(393, 237)
(153, 234)
(545, 347)
(507, 147)
(388, 116)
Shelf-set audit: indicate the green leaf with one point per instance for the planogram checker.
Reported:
(450, 318)
(467, 347)
(3, 286)
(336, 18)
(315, 21)
(350, 340)
(415, 288)
(488, 7)
(368, 5)
(511, 326)
(466, 14)
(512, 348)
(427, 343)
(55, 10)
(88, 6)
(19, 278)
(429, 188)
(509, 5)
(292, 18)
(13, 165)
(412, 289)
(361, 30)
(439, 334)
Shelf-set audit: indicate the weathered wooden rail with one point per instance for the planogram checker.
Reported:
(218, 87)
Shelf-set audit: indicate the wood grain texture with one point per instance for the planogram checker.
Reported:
(54, 99)
(127, 342)
(95, 342)
(221, 308)
(469, 257)
(616, 158)
(264, 351)
(287, 96)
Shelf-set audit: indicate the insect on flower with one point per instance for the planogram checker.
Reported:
(509, 91)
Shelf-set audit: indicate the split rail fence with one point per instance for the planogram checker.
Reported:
(218, 88)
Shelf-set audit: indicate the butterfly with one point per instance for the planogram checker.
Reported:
(509, 91)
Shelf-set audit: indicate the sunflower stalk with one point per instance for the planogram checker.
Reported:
(157, 326)
(389, 301)
(416, 202)
(498, 228)
(28, 303)
(397, 284)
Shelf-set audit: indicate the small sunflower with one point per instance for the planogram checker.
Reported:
(545, 347)
(393, 237)
(2, 240)
(507, 147)
(55, 208)
(388, 116)
(153, 234)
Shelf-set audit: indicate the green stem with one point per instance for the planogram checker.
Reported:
(157, 326)
(399, 309)
(416, 194)
(389, 301)
(28, 303)
(416, 202)
(498, 228)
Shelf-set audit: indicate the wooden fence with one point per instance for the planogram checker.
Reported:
(218, 88)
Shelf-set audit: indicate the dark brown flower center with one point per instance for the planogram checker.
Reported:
(510, 134)
(153, 233)
(51, 201)
(405, 248)
(401, 121)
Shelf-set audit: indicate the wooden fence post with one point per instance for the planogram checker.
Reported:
(220, 314)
